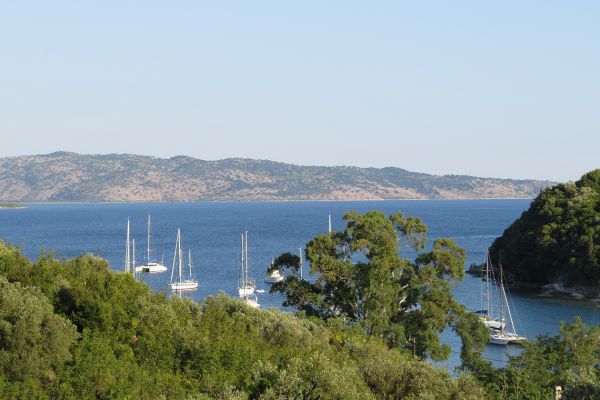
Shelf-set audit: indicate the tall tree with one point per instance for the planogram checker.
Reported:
(361, 278)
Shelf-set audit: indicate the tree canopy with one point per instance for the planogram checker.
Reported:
(361, 279)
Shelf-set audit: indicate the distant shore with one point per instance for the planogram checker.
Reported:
(252, 201)
(11, 206)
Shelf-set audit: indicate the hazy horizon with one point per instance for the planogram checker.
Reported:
(506, 90)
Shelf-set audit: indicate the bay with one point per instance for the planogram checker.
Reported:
(212, 232)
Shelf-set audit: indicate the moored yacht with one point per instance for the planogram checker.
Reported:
(150, 265)
(179, 282)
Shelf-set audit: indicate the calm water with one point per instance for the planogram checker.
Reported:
(212, 231)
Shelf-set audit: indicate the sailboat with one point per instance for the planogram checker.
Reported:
(485, 314)
(275, 275)
(129, 265)
(246, 285)
(507, 333)
(180, 283)
(150, 266)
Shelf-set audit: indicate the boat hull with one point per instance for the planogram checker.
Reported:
(186, 285)
(151, 268)
(498, 339)
(273, 279)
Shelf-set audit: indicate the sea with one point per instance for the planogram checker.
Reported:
(211, 230)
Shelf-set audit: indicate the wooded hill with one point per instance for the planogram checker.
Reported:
(63, 176)
(557, 240)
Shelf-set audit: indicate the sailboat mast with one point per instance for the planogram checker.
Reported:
(300, 250)
(190, 261)
(133, 250)
(180, 256)
(512, 325)
(246, 267)
(127, 259)
(241, 282)
(148, 249)
(487, 287)
(329, 231)
(174, 256)
(502, 299)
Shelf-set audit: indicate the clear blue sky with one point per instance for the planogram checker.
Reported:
(503, 89)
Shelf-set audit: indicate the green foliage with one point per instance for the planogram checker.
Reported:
(570, 360)
(557, 238)
(361, 279)
(74, 329)
(34, 341)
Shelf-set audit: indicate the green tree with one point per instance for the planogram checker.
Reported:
(570, 360)
(34, 342)
(360, 278)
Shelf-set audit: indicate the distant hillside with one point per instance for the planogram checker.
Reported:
(63, 176)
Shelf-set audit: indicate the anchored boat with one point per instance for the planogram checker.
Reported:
(179, 282)
(150, 266)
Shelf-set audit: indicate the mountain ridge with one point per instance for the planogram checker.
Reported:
(68, 176)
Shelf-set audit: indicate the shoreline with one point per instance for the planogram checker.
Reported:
(66, 202)
(555, 290)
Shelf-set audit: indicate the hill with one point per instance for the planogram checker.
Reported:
(64, 176)
(557, 240)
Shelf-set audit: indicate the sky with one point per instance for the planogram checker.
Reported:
(496, 89)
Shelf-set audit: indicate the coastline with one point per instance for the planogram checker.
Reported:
(554, 289)
(66, 202)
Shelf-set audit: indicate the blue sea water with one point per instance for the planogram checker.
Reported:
(212, 232)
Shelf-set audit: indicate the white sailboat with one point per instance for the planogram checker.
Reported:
(486, 313)
(150, 265)
(329, 231)
(128, 267)
(246, 286)
(178, 282)
(507, 333)
(275, 275)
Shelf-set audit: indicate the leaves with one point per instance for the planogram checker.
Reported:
(360, 278)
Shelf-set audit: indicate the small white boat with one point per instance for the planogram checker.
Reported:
(274, 277)
(260, 291)
(252, 301)
(180, 283)
(150, 266)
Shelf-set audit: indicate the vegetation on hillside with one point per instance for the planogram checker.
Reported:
(557, 239)
(77, 330)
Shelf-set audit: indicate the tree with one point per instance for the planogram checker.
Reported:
(361, 279)
(34, 341)
(571, 360)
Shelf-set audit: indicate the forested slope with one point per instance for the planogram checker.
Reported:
(557, 239)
